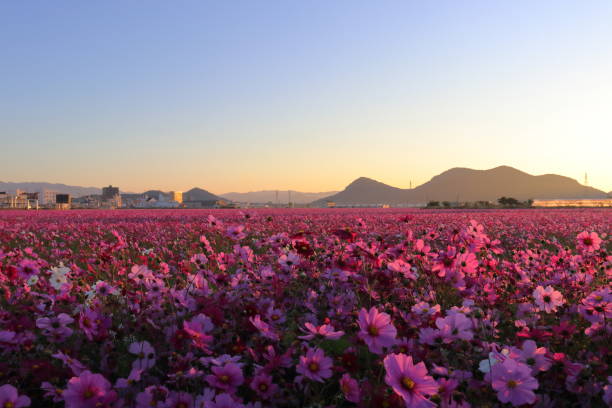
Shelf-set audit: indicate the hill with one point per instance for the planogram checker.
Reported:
(462, 184)
(31, 187)
(198, 194)
(267, 196)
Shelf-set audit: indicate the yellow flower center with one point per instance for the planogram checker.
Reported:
(314, 367)
(407, 383)
(512, 384)
(373, 330)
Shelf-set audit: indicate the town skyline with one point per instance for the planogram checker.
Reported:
(584, 182)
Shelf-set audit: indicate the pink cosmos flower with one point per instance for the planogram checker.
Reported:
(275, 316)
(350, 388)
(145, 353)
(467, 263)
(264, 387)
(548, 299)
(327, 331)
(93, 323)
(104, 289)
(288, 261)
(410, 381)
(376, 330)
(228, 377)
(197, 328)
(199, 260)
(10, 398)
(140, 273)
(88, 391)
(28, 268)
(315, 365)
(75, 365)
(401, 267)
(55, 327)
(236, 232)
(446, 262)
(534, 356)
(455, 327)
(513, 382)
(264, 328)
(588, 242)
(423, 308)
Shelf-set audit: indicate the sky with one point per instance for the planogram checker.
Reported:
(304, 95)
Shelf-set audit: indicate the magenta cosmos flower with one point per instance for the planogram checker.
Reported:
(145, 353)
(513, 382)
(55, 327)
(228, 377)
(589, 242)
(376, 330)
(315, 365)
(326, 330)
(350, 388)
(409, 381)
(88, 391)
(548, 299)
(264, 387)
(10, 398)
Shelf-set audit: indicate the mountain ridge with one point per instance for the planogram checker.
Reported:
(464, 184)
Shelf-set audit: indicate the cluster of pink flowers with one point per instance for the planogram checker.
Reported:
(275, 308)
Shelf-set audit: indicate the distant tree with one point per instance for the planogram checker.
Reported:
(508, 202)
(446, 204)
(513, 202)
(433, 204)
(529, 203)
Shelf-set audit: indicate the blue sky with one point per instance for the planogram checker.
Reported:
(248, 95)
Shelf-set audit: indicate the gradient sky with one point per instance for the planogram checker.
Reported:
(305, 95)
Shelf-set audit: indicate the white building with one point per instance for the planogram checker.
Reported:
(47, 197)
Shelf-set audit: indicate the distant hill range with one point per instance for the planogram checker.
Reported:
(31, 187)
(270, 196)
(463, 185)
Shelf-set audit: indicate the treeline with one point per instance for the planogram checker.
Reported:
(502, 202)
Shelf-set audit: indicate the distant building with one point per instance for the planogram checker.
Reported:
(176, 196)
(577, 202)
(20, 199)
(63, 201)
(47, 197)
(109, 192)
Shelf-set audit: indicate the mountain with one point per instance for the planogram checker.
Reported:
(32, 187)
(462, 184)
(198, 194)
(267, 196)
(367, 191)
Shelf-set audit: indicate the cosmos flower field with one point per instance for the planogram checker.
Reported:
(305, 308)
